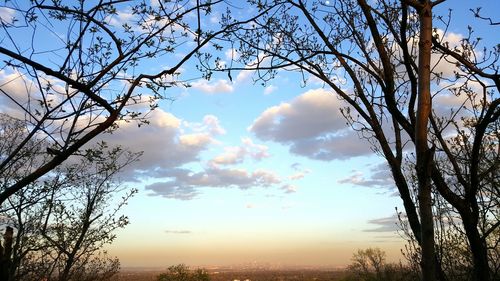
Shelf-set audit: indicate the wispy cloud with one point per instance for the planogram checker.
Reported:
(289, 188)
(379, 177)
(237, 154)
(270, 89)
(171, 191)
(216, 87)
(178, 231)
(184, 184)
(386, 224)
(7, 15)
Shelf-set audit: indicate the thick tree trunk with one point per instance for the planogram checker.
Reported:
(423, 153)
(477, 246)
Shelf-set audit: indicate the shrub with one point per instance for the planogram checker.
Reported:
(181, 272)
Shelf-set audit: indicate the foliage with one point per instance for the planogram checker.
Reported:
(370, 265)
(181, 272)
(452, 249)
(368, 262)
(65, 218)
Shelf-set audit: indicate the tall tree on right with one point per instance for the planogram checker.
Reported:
(418, 95)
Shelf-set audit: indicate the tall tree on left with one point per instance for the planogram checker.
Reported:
(74, 69)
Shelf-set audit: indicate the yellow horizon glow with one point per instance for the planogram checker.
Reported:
(205, 253)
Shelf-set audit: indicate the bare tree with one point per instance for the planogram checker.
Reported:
(73, 69)
(182, 272)
(367, 53)
(369, 261)
(64, 219)
(452, 247)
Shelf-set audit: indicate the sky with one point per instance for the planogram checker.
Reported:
(247, 198)
(234, 172)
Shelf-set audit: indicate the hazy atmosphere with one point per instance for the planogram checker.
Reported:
(247, 168)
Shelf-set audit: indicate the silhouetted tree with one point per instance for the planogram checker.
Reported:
(370, 265)
(63, 220)
(73, 69)
(181, 272)
(452, 249)
(369, 261)
(389, 61)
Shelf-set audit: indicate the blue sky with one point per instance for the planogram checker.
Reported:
(274, 190)
(236, 172)
(250, 197)
(304, 205)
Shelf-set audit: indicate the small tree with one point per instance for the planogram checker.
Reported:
(65, 218)
(368, 262)
(181, 272)
(370, 265)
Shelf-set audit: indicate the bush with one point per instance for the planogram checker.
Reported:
(181, 272)
(369, 265)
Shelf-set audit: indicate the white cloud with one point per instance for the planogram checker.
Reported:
(20, 93)
(169, 143)
(209, 124)
(214, 19)
(217, 87)
(184, 184)
(260, 61)
(313, 127)
(20, 88)
(344, 145)
(232, 155)
(453, 39)
(265, 178)
(300, 172)
(298, 175)
(309, 115)
(7, 15)
(164, 141)
(244, 75)
(289, 188)
(237, 154)
(379, 177)
(256, 151)
(231, 54)
(270, 89)
(122, 17)
(195, 140)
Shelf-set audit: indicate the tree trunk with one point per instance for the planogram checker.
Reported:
(423, 153)
(477, 246)
(6, 255)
